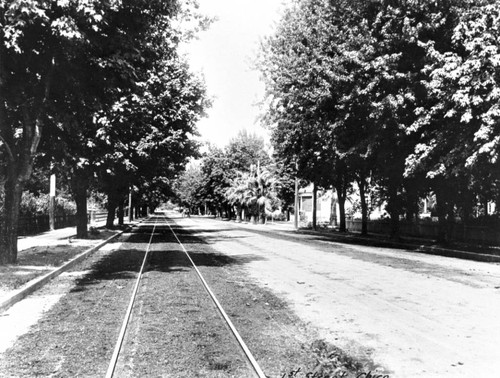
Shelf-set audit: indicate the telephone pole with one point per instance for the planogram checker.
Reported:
(52, 202)
(296, 210)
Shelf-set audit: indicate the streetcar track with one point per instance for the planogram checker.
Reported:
(123, 331)
(119, 342)
(248, 354)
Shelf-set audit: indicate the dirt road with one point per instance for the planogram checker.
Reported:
(417, 315)
(407, 314)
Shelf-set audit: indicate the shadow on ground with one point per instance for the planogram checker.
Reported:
(124, 264)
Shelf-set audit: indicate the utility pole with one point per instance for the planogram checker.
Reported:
(296, 210)
(130, 204)
(315, 205)
(52, 202)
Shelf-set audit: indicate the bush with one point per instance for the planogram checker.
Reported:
(32, 204)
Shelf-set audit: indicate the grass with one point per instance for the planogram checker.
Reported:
(37, 261)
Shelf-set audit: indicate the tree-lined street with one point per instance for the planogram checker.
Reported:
(411, 314)
(383, 133)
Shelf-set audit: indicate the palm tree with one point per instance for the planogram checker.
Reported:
(255, 191)
(236, 193)
(261, 191)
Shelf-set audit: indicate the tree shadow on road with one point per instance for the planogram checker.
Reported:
(125, 264)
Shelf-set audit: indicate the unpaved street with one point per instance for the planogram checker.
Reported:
(417, 315)
(397, 312)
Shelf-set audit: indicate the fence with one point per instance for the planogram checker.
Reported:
(430, 230)
(97, 216)
(40, 223)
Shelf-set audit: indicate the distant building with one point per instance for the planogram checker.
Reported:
(325, 201)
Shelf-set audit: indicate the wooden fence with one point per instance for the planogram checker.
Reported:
(40, 223)
(430, 230)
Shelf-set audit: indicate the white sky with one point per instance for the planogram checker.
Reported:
(224, 54)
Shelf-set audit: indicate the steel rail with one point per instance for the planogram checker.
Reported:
(121, 336)
(255, 366)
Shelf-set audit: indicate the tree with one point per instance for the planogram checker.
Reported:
(247, 149)
(348, 85)
(152, 128)
(188, 188)
(305, 66)
(237, 193)
(217, 173)
(259, 191)
(459, 145)
(121, 45)
(286, 189)
(34, 37)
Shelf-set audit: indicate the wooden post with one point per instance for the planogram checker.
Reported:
(52, 202)
(315, 205)
(130, 214)
(296, 212)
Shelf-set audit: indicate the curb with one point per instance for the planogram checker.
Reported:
(37, 283)
(459, 254)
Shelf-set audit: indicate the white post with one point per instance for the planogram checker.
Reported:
(130, 205)
(52, 202)
(296, 212)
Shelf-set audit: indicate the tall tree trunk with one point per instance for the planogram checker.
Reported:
(81, 212)
(315, 206)
(121, 212)
(450, 221)
(9, 220)
(19, 168)
(254, 213)
(112, 205)
(441, 212)
(394, 209)
(341, 188)
(342, 223)
(110, 219)
(262, 214)
(79, 188)
(333, 211)
(364, 206)
(152, 208)
(19, 154)
(238, 212)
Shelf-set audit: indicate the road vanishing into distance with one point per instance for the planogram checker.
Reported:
(411, 314)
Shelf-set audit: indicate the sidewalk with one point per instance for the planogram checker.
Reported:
(48, 238)
(45, 238)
